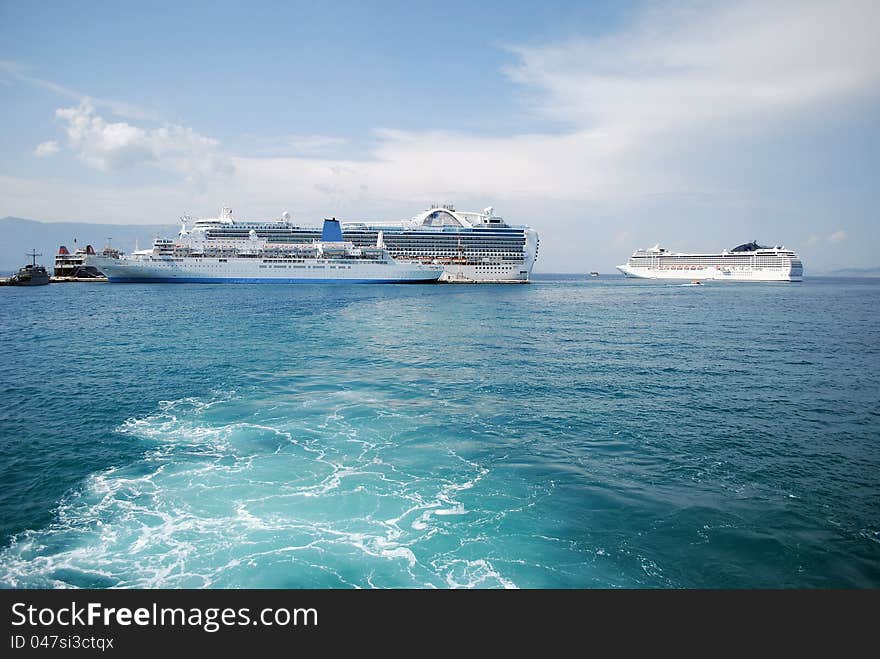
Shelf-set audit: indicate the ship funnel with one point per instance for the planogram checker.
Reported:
(63, 250)
(332, 232)
(90, 249)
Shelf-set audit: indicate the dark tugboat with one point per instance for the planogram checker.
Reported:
(31, 274)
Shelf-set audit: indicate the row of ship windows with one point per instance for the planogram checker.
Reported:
(704, 258)
(399, 242)
(465, 244)
(734, 266)
(471, 253)
(204, 266)
(709, 259)
(707, 262)
(434, 249)
(391, 247)
(308, 235)
(320, 261)
(495, 258)
(508, 256)
(703, 264)
(505, 246)
(315, 267)
(199, 260)
(371, 240)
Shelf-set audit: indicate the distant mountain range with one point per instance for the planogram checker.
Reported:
(18, 236)
(856, 272)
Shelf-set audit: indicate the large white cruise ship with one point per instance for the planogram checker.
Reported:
(194, 259)
(747, 262)
(472, 247)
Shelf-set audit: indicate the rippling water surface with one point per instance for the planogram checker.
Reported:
(569, 433)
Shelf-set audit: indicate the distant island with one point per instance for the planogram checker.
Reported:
(856, 272)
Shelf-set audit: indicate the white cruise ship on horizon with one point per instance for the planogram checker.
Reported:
(194, 259)
(472, 247)
(747, 262)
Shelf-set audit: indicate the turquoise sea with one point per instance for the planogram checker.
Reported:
(574, 432)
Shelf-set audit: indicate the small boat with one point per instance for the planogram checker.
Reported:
(696, 282)
(594, 274)
(31, 274)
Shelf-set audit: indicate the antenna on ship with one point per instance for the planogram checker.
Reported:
(33, 254)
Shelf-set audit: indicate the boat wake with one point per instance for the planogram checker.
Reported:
(239, 493)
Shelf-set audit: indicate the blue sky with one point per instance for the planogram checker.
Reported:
(605, 125)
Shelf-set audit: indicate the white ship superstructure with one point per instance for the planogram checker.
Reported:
(747, 262)
(472, 247)
(192, 258)
(73, 266)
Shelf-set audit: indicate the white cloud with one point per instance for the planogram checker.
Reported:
(45, 149)
(300, 146)
(119, 108)
(310, 144)
(118, 145)
(837, 236)
(665, 83)
(684, 65)
(674, 76)
(668, 80)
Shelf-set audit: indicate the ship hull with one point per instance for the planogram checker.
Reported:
(713, 274)
(41, 281)
(255, 271)
(257, 280)
(488, 274)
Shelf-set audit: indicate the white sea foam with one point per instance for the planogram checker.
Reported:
(224, 497)
(475, 574)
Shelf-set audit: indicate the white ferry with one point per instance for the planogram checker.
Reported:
(747, 262)
(472, 247)
(193, 259)
(72, 266)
